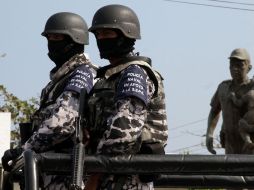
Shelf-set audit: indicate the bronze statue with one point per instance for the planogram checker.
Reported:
(224, 100)
(246, 124)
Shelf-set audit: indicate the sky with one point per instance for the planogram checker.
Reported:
(189, 44)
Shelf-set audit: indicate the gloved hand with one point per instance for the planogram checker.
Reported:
(209, 144)
(10, 154)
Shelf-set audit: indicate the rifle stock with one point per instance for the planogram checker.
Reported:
(79, 148)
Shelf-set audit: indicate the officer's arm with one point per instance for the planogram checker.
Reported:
(123, 134)
(59, 118)
(59, 124)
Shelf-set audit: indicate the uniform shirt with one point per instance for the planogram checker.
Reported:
(58, 124)
(126, 122)
(55, 119)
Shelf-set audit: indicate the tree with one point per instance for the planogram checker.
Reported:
(21, 110)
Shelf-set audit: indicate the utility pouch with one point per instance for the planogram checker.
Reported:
(151, 148)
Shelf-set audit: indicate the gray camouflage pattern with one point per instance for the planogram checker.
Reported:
(131, 183)
(57, 123)
(125, 127)
(156, 127)
(55, 120)
(124, 124)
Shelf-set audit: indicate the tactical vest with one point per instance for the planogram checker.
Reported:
(101, 104)
(57, 84)
(156, 128)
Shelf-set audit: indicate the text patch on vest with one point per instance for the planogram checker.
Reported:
(132, 83)
(81, 78)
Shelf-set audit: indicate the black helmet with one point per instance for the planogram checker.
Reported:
(69, 24)
(117, 17)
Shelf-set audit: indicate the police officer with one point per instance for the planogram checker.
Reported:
(119, 102)
(239, 85)
(53, 122)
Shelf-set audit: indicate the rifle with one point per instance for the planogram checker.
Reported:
(79, 147)
(26, 131)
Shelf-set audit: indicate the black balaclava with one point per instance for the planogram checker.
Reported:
(115, 47)
(62, 51)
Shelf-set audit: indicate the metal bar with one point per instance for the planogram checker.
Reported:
(31, 171)
(208, 181)
(233, 165)
(197, 171)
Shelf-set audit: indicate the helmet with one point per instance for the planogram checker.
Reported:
(117, 17)
(69, 24)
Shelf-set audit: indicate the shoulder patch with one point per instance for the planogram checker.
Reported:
(132, 83)
(81, 77)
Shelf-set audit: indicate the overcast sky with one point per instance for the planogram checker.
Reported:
(189, 44)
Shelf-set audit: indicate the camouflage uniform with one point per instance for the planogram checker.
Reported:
(127, 104)
(156, 128)
(54, 120)
(230, 113)
(118, 110)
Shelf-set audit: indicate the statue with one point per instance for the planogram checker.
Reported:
(227, 99)
(246, 123)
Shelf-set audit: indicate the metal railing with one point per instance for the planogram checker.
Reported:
(197, 171)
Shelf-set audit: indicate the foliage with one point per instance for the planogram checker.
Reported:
(21, 110)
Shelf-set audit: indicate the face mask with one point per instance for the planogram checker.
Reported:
(58, 49)
(115, 47)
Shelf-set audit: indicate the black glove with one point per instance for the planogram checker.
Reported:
(10, 154)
